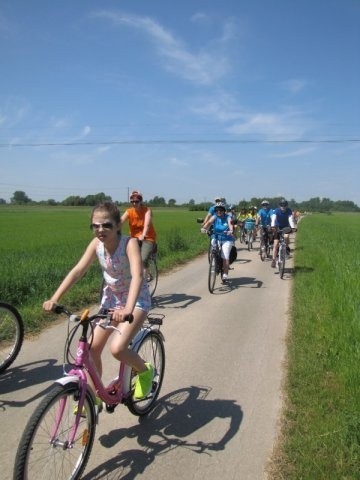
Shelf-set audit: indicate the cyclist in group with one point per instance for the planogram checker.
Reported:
(251, 219)
(141, 226)
(281, 217)
(211, 211)
(223, 234)
(125, 291)
(241, 221)
(263, 219)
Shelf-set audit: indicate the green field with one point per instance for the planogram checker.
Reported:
(40, 245)
(321, 425)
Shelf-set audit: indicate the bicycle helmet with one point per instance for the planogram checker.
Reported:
(220, 206)
(283, 203)
(217, 199)
(136, 195)
(265, 203)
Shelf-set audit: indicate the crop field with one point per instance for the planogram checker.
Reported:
(321, 425)
(39, 245)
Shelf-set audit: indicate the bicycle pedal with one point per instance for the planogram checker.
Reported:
(110, 408)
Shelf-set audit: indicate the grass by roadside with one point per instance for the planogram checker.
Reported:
(320, 436)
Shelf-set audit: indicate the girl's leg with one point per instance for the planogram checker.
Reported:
(119, 344)
(99, 340)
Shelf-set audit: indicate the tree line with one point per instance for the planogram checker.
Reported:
(315, 204)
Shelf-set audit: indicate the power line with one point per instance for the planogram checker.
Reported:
(167, 142)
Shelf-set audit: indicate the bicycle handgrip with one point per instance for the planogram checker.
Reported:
(129, 318)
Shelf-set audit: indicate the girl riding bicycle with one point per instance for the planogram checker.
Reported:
(141, 226)
(223, 234)
(125, 291)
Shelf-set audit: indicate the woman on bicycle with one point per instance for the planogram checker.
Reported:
(141, 226)
(223, 234)
(125, 290)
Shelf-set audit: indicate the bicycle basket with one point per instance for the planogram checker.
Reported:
(249, 225)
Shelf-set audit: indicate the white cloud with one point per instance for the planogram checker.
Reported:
(294, 85)
(300, 152)
(178, 163)
(202, 68)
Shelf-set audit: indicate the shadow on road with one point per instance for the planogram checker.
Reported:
(177, 416)
(174, 300)
(25, 376)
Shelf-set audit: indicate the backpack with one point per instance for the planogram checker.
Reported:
(233, 254)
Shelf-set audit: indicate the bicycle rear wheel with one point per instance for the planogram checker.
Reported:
(152, 275)
(212, 273)
(151, 350)
(11, 334)
(44, 451)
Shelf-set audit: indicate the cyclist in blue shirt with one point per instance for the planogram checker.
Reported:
(263, 219)
(211, 211)
(282, 217)
(223, 234)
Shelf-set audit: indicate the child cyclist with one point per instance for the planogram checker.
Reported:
(125, 290)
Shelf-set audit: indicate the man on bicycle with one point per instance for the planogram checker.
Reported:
(263, 219)
(282, 217)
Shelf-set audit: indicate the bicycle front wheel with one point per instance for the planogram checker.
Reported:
(281, 262)
(151, 350)
(212, 273)
(152, 276)
(44, 450)
(263, 250)
(11, 334)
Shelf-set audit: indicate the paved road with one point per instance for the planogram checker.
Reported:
(218, 411)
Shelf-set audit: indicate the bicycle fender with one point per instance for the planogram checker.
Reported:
(67, 379)
(144, 332)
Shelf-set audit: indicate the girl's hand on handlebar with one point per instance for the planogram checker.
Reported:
(49, 305)
(120, 315)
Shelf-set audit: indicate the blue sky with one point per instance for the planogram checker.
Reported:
(184, 100)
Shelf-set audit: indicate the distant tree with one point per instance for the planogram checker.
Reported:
(97, 198)
(191, 202)
(157, 201)
(20, 198)
(172, 202)
(74, 201)
(2, 201)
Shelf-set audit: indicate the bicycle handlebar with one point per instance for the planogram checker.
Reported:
(58, 309)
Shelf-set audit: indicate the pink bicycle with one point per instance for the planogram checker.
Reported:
(59, 436)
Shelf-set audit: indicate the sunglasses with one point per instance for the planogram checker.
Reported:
(105, 226)
(135, 201)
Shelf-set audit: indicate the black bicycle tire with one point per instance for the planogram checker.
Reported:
(28, 447)
(153, 271)
(142, 407)
(19, 335)
(281, 262)
(263, 251)
(212, 273)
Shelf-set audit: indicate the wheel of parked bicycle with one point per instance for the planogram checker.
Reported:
(11, 334)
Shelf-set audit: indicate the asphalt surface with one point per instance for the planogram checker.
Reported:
(218, 411)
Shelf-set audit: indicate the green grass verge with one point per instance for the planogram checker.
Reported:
(321, 428)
